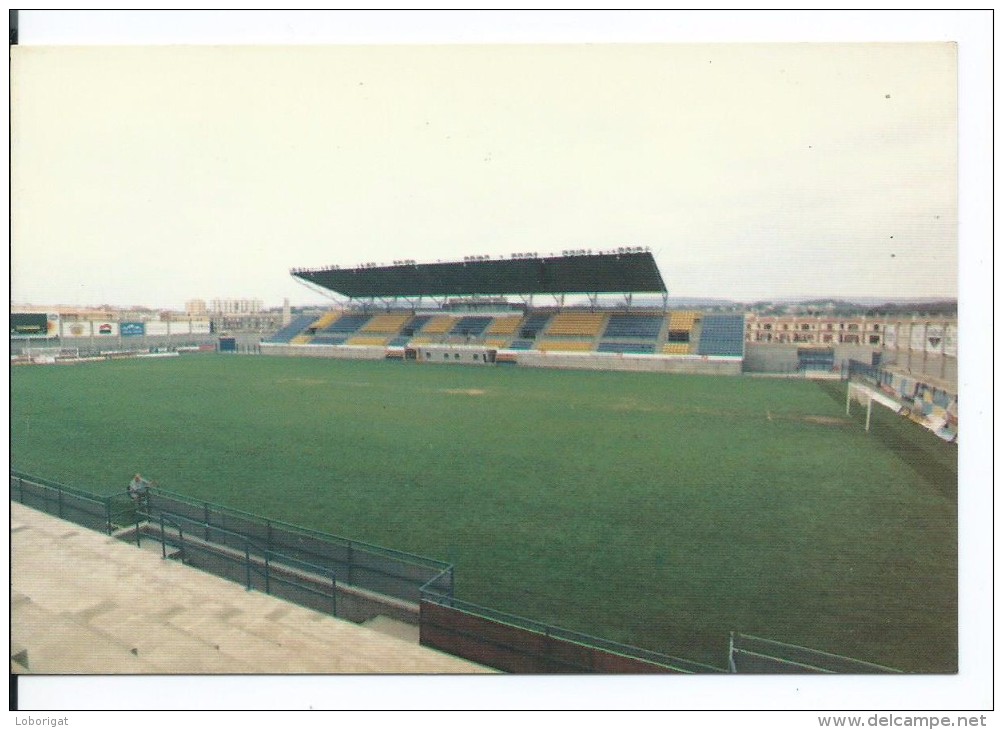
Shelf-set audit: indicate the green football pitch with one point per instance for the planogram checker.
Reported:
(660, 511)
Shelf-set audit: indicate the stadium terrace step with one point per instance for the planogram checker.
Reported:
(88, 603)
(397, 629)
(56, 644)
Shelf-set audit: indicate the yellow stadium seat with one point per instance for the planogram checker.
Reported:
(504, 326)
(577, 324)
(438, 325)
(389, 324)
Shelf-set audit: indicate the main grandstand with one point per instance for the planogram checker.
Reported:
(650, 511)
(463, 312)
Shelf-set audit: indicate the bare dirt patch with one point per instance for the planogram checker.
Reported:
(323, 381)
(826, 420)
(463, 391)
(302, 381)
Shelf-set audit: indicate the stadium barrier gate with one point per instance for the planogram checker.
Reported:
(754, 655)
(520, 645)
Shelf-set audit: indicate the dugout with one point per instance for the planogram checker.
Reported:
(452, 355)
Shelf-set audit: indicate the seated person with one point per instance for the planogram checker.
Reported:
(138, 488)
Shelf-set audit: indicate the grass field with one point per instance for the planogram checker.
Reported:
(661, 511)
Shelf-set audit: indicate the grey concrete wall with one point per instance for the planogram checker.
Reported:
(783, 358)
(575, 361)
(331, 351)
(595, 361)
(103, 344)
(941, 367)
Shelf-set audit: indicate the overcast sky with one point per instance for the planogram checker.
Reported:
(152, 175)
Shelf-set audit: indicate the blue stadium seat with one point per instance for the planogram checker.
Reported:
(295, 327)
(532, 326)
(722, 334)
(399, 341)
(415, 325)
(347, 324)
(634, 326)
(471, 326)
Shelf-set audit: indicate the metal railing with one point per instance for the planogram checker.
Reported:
(278, 565)
(254, 567)
(371, 567)
(105, 514)
(755, 655)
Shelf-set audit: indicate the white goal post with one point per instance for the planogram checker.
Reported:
(866, 396)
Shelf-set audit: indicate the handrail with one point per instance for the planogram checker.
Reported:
(811, 652)
(75, 491)
(390, 552)
(248, 544)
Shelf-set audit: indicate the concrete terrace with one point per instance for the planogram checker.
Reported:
(86, 603)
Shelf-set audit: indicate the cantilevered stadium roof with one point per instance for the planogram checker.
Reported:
(604, 273)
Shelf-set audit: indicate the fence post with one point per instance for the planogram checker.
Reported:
(351, 558)
(247, 562)
(59, 502)
(334, 595)
(205, 520)
(107, 513)
(163, 538)
(268, 582)
(139, 538)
